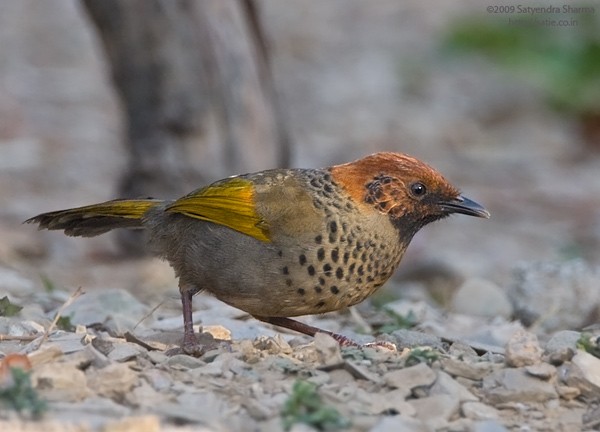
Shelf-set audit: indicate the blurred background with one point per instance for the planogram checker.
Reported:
(105, 99)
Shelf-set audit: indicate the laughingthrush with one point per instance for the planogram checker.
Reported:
(285, 242)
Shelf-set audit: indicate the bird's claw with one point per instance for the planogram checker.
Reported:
(343, 340)
(347, 342)
(382, 345)
(196, 345)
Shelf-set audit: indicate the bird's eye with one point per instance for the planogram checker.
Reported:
(418, 189)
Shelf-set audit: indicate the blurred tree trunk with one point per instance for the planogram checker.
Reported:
(195, 83)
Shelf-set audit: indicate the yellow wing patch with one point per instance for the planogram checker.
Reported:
(229, 203)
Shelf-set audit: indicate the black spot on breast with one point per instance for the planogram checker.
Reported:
(322, 281)
(315, 183)
(363, 257)
(288, 282)
(327, 188)
(311, 270)
(352, 267)
(346, 257)
(334, 290)
(327, 269)
(302, 259)
(339, 273)
(320, 304)
(327, 178)
(318, 203)
(318, 239)
(333, 226)
(301, 291)
(318, 289)
(321, 254)
(285, 270)
(335, 255)
(360, 270)
(280, 253)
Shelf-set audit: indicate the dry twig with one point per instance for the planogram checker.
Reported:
(24, 338)
(78, 292)
(149, 314)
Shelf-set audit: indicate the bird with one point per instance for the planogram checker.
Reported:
(283, 243)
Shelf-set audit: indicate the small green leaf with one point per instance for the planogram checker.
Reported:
(21, 396)
(422, 355)
(399, 322)
(64, 323)
(305, 406)
(48, 284)
(7, 308)
(589, 343)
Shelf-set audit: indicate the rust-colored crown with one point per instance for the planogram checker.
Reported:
(393, 183)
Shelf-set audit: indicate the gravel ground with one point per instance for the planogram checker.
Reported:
(491, 311)
(109, 369)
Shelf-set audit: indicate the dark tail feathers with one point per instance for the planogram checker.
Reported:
(96, 219)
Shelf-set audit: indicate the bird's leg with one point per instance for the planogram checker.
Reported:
(190, 343)
(193, 344)
(306, 329)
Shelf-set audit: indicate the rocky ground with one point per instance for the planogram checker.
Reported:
(107, 366)
(482, 312)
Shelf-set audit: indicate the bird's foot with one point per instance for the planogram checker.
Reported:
(390, 346)
(196, 345)
(341, 339)
(347, 342)
(311, 331)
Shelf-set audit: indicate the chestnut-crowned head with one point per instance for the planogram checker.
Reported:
(411, 192)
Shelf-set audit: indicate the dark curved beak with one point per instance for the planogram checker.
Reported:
(465, 206)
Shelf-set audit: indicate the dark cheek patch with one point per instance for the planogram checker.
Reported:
(384, 193)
